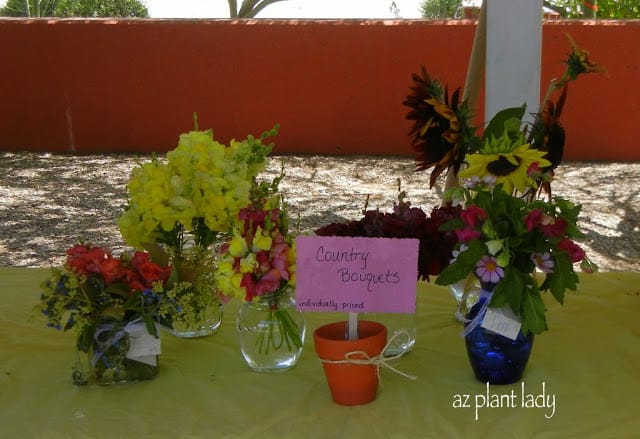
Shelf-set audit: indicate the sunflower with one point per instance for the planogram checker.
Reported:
(577, 64)
(438, 129)
(509, 167)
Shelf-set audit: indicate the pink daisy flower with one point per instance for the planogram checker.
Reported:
(488, 270)
(543, 261)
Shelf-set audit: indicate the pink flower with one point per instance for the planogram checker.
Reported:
(262, 258)
(576, 254)
(488, 270)
(543, 261)
(534, 170)
(472, 215)
(249, 285)
(466, 235)
(533, 219)
(553, 227)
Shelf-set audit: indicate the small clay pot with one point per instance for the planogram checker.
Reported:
(350, 384)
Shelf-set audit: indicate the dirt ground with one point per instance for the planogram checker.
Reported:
(48, 202)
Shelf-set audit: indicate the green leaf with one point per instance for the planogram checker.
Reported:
(133, 301)
(533, 310)
(85, 337)
(157, 253)
(496, 125)
(464, 263)
(500, 295)
(510, 290)
(562, 278)
(451, 225)
(150, 324)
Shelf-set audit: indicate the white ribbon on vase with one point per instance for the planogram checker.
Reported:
(470, 325)
(143, 347)
(102, 346)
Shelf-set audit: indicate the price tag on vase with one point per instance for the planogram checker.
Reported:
(502, 321)
(143, 347)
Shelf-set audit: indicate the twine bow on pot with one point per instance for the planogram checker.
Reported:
(362, 358)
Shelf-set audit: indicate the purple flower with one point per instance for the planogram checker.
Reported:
(488, 270)
(543, 261)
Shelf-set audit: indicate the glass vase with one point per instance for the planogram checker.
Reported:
(496, 359)
(401, 331)
(271, 332)
(198, 308)
(119, 352)
(465, 293)
(205, 320)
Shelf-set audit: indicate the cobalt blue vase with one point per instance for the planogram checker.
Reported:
(496, 359)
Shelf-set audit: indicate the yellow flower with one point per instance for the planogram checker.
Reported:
(202, 181)
(261, 241)
(509, 168)
(225, 268)
(248, 263)
(238, 246)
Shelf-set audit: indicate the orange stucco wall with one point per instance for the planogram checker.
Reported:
(336, 87)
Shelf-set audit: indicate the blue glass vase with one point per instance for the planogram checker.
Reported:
(494, 358)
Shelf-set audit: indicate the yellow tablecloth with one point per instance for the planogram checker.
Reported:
(589, 362)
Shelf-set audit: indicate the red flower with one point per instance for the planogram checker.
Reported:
(133, 280)
(249, 286)
(466, 235)
(533, 219)
(575, 253)
(472, 215)
(86, 260)
(533, 170)
(406, 222)
(553, 227)
(151, 272)
(253, 219)
(111, 270)
(262, 258)
(140, 258)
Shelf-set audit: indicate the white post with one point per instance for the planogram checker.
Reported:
(512, 70)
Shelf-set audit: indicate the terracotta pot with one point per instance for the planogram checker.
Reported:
(350, 384)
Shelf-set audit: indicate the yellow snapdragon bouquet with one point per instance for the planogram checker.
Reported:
(179, 208)
(258, 266)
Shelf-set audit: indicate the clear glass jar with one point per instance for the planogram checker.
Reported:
(271, 332)
(465, 293)
(206, 321)
(198, 308)
(108, 360)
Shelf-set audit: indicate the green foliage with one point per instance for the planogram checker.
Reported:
(618, 9)
(533, 310)
(510, 230)
(248, 8)
(101, 8)
(29, 8)
(463, 265)
(440, 9)
(611, 9)
(75, 8)
(502, 122)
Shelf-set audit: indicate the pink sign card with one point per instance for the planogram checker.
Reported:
(339, 274)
